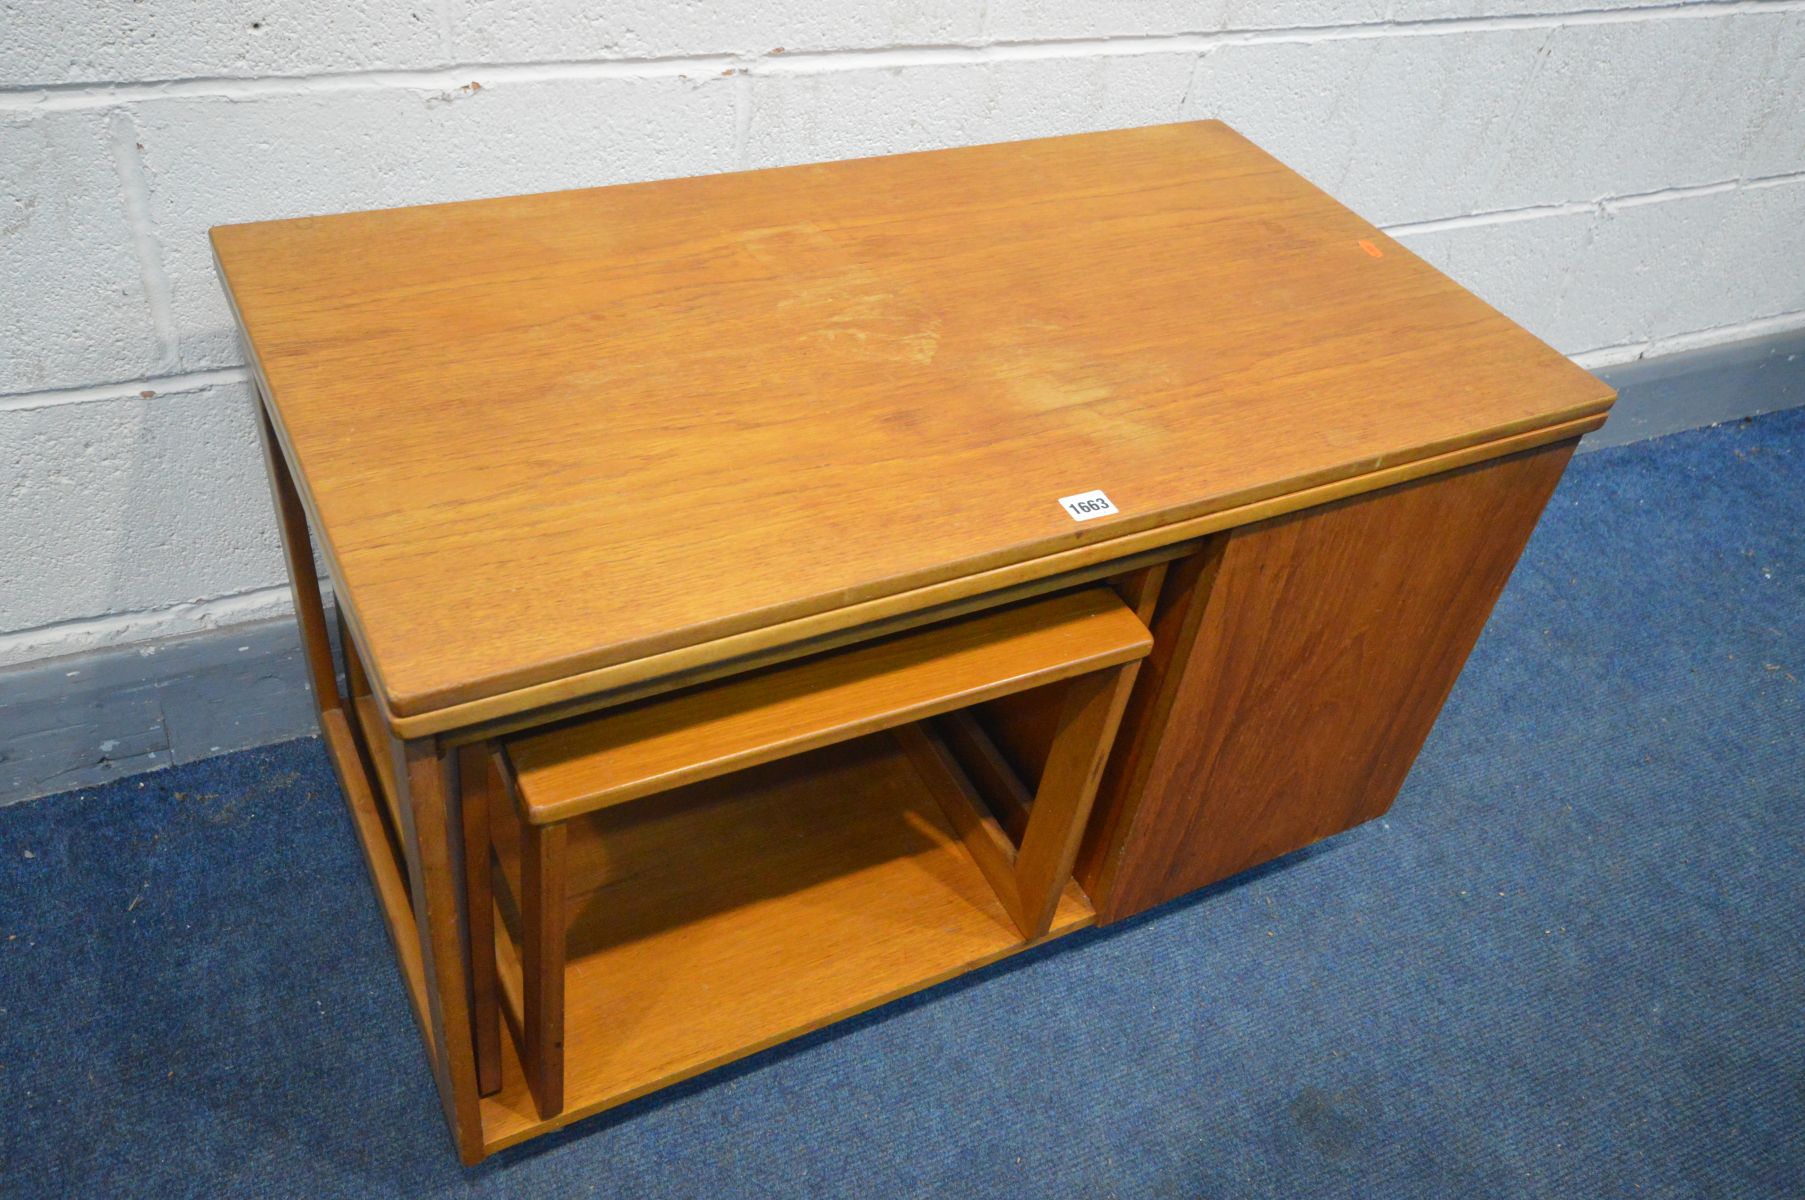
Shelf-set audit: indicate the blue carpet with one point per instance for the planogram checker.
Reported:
(1568, 963)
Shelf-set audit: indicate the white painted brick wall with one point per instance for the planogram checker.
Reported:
(109, 41)
(73, 307)
(108, 501)
(802, 115)
(1433, 124)
(1623, 177)
(1639, 271)
(213, 160)
(509, 31)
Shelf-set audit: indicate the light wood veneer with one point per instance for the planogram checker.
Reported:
(714, 921)
(531, 431)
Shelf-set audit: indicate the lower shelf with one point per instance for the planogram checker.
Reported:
(713, 921)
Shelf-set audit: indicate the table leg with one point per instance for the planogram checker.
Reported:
(303, 580)
(434, 952)
(432, 834)
(543, 938)
(478, 788)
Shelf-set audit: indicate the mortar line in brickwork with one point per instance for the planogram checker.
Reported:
(1695, 339)
(128, 160)
(1501, 216)
(158, 385)
(1531, 212)
(1757, 182)
(1685, 10)
(89, 94)
(62, 97)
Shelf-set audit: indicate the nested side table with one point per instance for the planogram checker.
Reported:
(577, 456)
(687, 908)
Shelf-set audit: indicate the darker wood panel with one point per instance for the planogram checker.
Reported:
(1174, 626)
(1299, 664)
(1021, 728)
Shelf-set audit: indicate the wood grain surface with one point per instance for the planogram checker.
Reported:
(1298, 666)
(625, 753)
(545, 435)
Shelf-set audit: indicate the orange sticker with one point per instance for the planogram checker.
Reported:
(1371, 249)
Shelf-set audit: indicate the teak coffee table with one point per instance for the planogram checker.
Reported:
(766, 595)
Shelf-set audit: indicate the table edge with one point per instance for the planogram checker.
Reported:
(416, 717)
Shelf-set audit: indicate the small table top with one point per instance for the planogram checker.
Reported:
(548, 434)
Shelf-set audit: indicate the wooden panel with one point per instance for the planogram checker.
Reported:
(356, 682)
(711, 922)
(630, 752)
(1029, 870)
(1020, 728)
(549, 434)
(1298, 666)
(1139, 589)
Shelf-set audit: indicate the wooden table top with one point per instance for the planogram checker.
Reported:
(545, 435)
